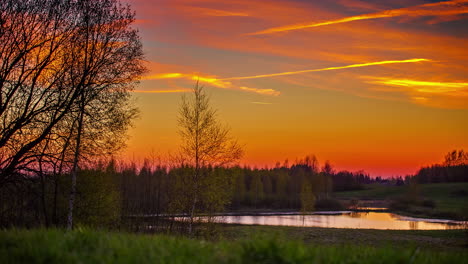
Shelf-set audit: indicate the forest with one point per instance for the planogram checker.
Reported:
(113, 194)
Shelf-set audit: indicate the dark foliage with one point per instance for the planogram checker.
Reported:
(443, 173)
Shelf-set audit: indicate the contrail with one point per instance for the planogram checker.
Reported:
(326, 69)
(453, 7)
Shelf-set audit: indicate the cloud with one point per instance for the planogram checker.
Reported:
(446, 8)
(217, 82)
(328, 69)
(199, 44)
(261, 91)
(453, 88)
(163, 76)
(261, 103)
(431, 93)
(216, 12)
(163, 91)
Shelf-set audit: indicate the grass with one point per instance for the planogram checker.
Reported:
(86, 246)
(430, 239)
(373, 192)
(447, 197)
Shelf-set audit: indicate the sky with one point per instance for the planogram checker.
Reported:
(379, 86)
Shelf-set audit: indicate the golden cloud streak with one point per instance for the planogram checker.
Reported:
(164, 76)
(221, 83)
(424, 86)
(327, 69)
(163, 91)
(261, 103)
(260, 91)
(217, 12)
(451, 8)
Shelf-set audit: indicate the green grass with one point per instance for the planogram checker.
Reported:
(443, 194)
(373, 192)
(85, 246)
(454, 240)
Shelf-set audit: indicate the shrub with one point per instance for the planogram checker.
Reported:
(328, 204)
(428, 203)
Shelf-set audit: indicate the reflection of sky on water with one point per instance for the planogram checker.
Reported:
(364, 220)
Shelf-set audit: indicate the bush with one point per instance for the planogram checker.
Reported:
(328, 204)
(429, 203)
(399, 205)
(460, 193)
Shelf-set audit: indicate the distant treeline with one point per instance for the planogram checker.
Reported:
(110, 194)
(153, 190)
(282, 187)
(115, 195)
(453, 169)
(442, 173)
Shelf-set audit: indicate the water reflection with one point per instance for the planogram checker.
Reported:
(364, 220)
(413, 225)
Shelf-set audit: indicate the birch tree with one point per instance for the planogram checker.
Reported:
(206, 143)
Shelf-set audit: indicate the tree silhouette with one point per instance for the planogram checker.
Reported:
(66, 69)
(205, 144)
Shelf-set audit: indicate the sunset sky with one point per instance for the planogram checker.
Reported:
(380, 86)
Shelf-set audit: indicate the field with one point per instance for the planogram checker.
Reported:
(85, 246)
(455, 240)
(450, 200)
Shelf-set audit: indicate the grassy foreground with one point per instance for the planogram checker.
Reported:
(85, 246)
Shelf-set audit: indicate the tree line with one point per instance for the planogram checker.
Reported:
(113, 193)
(453, 169)
(126, 196)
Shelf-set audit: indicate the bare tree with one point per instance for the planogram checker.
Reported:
(455, 158)
(205, 144)
(33, 63)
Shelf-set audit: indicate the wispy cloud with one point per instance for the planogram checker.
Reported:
(163, 76)
(217, 82)
(163, 91)
(424, 86)
(445, 8)
(226, 83)
(327, 69)
(444, 94)
(216, 12)
(261, 103)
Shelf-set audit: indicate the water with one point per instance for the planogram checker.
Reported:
(345, 219)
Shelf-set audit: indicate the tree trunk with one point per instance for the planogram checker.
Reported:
(74, 172)
(43, 200)
(192, 215)
(55, 200)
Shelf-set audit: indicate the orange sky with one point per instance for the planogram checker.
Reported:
(380, 86)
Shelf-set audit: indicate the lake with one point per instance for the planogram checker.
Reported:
(344, 219)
